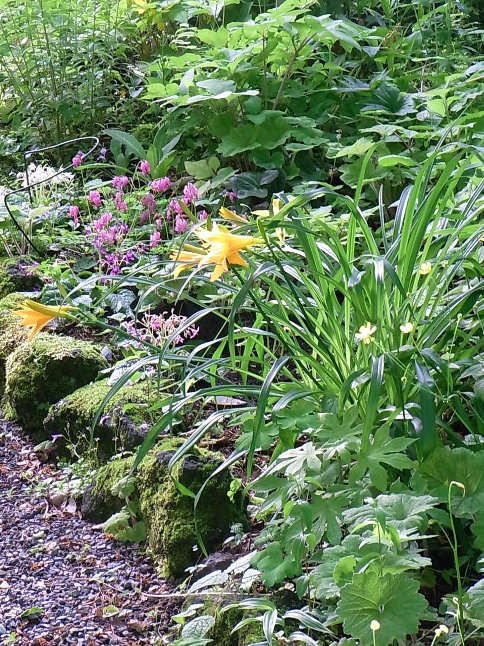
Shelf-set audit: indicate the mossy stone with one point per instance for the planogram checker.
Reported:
(12, 334)
(169, 515)
(18, 274)
(122, 426)
(98, 501)
(225, 622)
(41, 372)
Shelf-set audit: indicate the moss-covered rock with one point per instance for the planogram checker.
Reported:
(225, 622)
(19, 275)
(12, 334)
(169, 515)
(98, 501)
(41, 372)
(122, 426)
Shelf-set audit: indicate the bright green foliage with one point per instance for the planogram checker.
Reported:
(393, 601)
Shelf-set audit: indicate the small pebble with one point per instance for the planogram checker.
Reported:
(55, 561)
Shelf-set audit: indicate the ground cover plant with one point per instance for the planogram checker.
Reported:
(277, 250)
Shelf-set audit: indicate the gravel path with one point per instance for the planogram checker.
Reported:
(61, 574)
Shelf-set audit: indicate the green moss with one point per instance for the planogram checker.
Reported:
(18, 274)
(225, 622)
(12, 334)
(121, 423)
(41, 372)
(169, 514)
(111, 473)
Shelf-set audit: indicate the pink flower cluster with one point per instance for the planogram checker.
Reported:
(156, 328)
(77, 159)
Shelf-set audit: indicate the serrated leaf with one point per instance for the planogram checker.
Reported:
(357, 149)
(388, 98)
(475, 605)
(445, 465)
(393, 601)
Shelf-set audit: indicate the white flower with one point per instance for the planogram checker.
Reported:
(406, 328)
(365, 333)
(425, 268)
(375, 625)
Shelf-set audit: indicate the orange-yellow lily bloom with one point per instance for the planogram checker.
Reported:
(185, 260)
(227, 214)
(36, 316)
(223, 248)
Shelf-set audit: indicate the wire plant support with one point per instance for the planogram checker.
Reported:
(27, 155)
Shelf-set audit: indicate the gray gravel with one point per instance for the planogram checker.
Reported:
(53, 561)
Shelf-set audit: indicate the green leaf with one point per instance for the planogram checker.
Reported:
(131, 144)
(32, 613)
(274, 565)
(389, 161)
(110, 611)
(388, 99)
(217, 38)
(358, 149)
(477, 528)
(445, 465)
(198, 627)
(475, 606)
(134, 534)
(393, 601)
(204, 168)
(238, 140)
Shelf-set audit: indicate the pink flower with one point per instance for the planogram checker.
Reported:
(144, 167)
(120, 182)
(232, 196)
(181, 224)
(77, 159)
(149, 203)
(174, 206)
(120, 203)
(160, 185)
(155, 239)
(202, 216)
(74, 215)
(159, 224)
(95, 198)
(144, 217)
(190, 193)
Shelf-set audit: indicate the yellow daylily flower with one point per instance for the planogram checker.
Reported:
(37, 316)
(276, 207)
(407, 328)
(227, 214)
(365, 333)
(186, 259)
(223, 248)
(425, 268)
